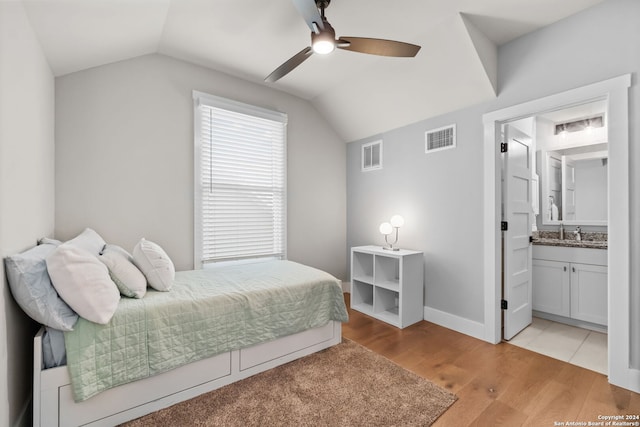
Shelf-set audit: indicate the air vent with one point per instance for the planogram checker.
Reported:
(440, 139)
(372, 156)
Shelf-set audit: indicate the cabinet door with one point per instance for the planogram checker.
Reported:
(551, 288)
(589, 293)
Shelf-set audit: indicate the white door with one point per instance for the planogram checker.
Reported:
(518, 213)
(568, 189)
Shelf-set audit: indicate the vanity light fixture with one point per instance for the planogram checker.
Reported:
(386, 228)
(586, 124)
(563, 132)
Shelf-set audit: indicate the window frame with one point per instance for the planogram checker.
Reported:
(200, 99)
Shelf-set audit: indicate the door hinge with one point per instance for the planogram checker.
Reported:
(504, 147)
(504, 225)
(504, 304)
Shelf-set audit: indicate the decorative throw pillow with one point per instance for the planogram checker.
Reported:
(130, 281)
(32, 289)
(155, 264)
(83, 282)
(88, 240)
(49, 241)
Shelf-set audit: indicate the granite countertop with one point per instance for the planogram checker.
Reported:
(589, 239)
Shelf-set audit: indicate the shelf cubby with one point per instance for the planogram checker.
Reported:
(362, 267)
(362, 296)
(386, 304)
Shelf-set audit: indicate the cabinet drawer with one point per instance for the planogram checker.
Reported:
(564, 254)
(130, 395)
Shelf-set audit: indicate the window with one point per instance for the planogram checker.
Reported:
(240, 191)
(372, 156)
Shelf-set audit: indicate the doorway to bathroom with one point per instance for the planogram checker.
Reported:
(615, 92)
(554, 192)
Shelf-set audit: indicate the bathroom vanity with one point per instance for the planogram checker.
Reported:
(570, 282)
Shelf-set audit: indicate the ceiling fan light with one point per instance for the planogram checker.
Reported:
(323, 42)
(323, 47)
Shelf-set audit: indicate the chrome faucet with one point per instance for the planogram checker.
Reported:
(561, 231)
(577, 233)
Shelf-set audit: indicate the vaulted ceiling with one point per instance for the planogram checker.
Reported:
(360, 95)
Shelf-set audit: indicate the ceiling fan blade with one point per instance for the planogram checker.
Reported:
(310, 13)
(378, 46)
(292, 63)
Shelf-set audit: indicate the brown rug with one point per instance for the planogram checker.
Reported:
(346, 385)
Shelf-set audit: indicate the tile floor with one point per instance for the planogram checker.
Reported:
(577, 346)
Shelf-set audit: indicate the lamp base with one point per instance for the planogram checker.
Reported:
(390, 249)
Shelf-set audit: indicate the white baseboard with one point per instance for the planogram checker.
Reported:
(456, 323)
(346, 287)
(573, 322)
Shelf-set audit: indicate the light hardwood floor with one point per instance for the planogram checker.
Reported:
(496, 385)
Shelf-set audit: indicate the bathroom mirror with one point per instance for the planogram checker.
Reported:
(572, 162)
(575, 185)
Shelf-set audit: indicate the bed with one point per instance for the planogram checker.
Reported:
(263, 314)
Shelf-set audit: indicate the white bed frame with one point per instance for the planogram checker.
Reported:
(53, 403)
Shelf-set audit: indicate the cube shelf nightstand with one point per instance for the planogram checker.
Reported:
(388, 285)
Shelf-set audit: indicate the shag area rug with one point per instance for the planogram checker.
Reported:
(345, 385)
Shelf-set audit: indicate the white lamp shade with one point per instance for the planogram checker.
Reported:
(385, 228)
(397, 221)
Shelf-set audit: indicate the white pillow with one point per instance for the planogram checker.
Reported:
(130, 281)
(32, 288)
(83, 282)
(155, 264)
(88, 240)
(49, 241)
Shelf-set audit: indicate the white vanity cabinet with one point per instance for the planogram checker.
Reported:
(388, 285)
(570, 283)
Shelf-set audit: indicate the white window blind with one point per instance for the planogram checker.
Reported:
(240, 181)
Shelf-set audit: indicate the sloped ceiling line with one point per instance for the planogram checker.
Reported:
(360, 95)
(486, 49)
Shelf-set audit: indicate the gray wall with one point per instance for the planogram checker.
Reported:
(441, 193)
(440, 196)
(124, 159)
(26, 191)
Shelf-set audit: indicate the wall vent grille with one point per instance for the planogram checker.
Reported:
(372, 156)
(440, 139)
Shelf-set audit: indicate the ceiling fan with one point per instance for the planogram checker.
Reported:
(323, 40)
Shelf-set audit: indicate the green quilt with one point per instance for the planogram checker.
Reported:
(207, 312)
